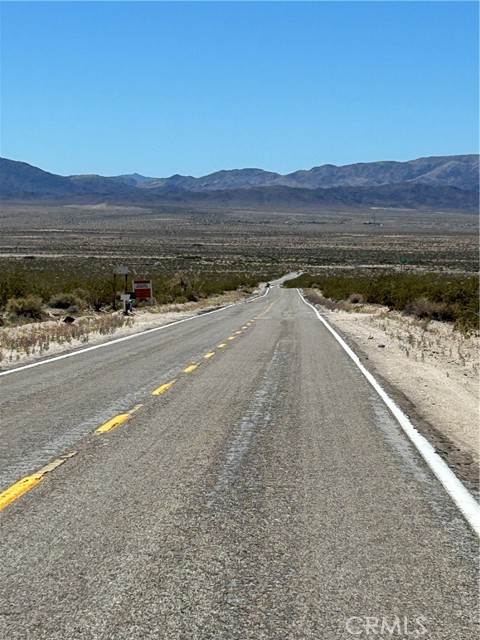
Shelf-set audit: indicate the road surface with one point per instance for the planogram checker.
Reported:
(266, 493)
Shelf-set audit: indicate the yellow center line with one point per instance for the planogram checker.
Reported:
(237, 332)
(231, 338)
(25, 484)
(117, 420)
(18, 489)
(209, 355)
(114, 422)
(191, 368)
(162, 388)
(220, 346)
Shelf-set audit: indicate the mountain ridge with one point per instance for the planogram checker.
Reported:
(438, 181)
(462, 172)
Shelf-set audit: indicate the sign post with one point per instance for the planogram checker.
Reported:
(121, 271)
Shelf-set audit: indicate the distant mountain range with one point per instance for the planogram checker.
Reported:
(450, 182)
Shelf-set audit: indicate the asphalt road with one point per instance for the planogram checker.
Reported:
(266, 494)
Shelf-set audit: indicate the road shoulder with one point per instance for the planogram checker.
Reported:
(430, 372)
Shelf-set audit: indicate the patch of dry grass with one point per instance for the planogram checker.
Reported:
(39, 337)
(429, 340)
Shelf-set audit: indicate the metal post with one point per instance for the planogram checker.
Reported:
(121, 270)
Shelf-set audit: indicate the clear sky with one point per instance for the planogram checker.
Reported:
(193, 87)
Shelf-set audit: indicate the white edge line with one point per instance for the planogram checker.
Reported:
(454, 487)
(110, 342)
(261, 296)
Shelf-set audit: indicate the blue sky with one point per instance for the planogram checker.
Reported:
(194, 87)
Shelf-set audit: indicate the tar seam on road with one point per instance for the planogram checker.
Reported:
(454, 487)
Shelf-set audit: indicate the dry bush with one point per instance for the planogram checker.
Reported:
(315, 297)
(423, 308)
(28, 307)
(66, 301)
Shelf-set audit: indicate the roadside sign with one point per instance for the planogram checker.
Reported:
(122, 271)
(143, 289)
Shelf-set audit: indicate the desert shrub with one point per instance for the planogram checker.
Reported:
(445, 297)
(304, 281)
(355, 298)
(66, 301)
(425, 308)
(92, 279)
(28, 307)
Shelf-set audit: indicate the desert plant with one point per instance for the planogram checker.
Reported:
(355, 298)
(66, 301)
(424, 308)
(28, 307)
(445, 297)
(38, 338)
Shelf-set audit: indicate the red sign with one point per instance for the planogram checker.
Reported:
(143, 289)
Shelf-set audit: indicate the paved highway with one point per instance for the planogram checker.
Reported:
(264, 491)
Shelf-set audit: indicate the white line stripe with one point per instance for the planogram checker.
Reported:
(108, 344)
(458, 492)
(261, 296)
